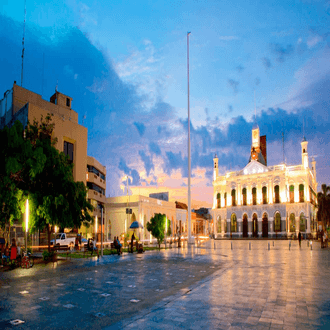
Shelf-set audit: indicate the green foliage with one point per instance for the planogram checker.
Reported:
(33, 168)
(323, 201)
(46, 255)
(157, 227)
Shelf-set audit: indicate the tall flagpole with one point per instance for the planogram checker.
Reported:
(189, 160)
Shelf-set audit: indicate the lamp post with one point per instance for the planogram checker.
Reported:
(101, 231)
(26, 222)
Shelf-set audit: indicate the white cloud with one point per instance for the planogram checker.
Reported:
(314, 40)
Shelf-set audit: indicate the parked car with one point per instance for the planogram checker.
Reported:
(63, 240)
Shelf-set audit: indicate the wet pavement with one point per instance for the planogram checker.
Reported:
(220, 285)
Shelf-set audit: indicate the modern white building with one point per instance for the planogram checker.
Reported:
(143, 209)
(265, 201)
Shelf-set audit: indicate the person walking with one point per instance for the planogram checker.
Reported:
(132, 242)
(299, 238)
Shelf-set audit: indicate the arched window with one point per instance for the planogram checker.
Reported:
(264, 195)
(233, 197)
(254, 196)
(301, 193)
(218, 200)
(302, 222)
(292, 223)
(277, 193)
(225, 197)
(244, 196)
(233, 223)
(291, 189)
(277, 225)
(219, 224)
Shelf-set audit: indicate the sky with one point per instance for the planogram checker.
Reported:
(124, 63)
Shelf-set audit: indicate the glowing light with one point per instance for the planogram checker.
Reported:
(96, 224)
(26, 215)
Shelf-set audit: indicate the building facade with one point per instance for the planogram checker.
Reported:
(21, 104)
(143, 209)
(96, 184)
(265, 201)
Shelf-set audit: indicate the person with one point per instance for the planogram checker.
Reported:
(132, 242)
(95, 247)
(325, 239)
(299, 238)
(118, 246)
(76, 243)
(19, 256)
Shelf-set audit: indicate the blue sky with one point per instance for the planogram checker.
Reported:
(124, 65)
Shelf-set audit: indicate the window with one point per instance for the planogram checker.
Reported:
(277, 222)
(264, 195)
(302, 222)
(225, 199)
(218, 200)
(292, 223)
(68, 150)
(277, 193)
(291, 189)
(92, 169)
(68, 102)
(219, 224)
(254, 196)
(233, 227)
(95, 187)
(244, 196)
(301, 193)
(233, 197)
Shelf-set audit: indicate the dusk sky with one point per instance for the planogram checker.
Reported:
(124, 63)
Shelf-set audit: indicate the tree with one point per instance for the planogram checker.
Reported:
(55, 198)
(33, 168)
(323, 201)
(157, 227)
(20, 163)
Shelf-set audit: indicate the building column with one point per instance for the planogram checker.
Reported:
(271, 227)
(284, 227)
(259, 226)
(240, 227)
(297, 225)
(228, 228)
(270, 192)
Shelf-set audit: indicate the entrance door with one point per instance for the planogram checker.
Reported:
(245, 226)
(265, 226)
(255, 225)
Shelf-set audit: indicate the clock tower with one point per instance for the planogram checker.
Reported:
(258, 149)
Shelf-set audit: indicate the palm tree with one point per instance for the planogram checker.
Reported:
(323, 201)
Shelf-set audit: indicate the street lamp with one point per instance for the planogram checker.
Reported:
(26, 222)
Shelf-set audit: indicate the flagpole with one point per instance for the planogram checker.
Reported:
(190, 240)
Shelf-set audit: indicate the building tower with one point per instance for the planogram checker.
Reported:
(304, 153)
(216, 167)
(314, 167)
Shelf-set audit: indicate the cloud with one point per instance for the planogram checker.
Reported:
(257, 81)
(229, 38)
(233, 84)
(147, 160)
(140, 127)
(230, 108)
(154, 147)
(133, 175)
(281, 52)
(240, 68)
(266, 62)
(313, 41)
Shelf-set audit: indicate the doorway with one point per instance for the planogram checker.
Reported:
(245, 226)
(255, 225)
(265, 225)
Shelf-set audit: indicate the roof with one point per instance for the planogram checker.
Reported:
(180, 205)
(260, 159)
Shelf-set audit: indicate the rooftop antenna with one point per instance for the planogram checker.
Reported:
(303, 127)
(56, 88)
(23, 43)
(84, 117)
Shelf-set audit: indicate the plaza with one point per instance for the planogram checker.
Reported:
(222, 284)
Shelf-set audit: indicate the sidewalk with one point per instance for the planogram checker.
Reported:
(211, 287)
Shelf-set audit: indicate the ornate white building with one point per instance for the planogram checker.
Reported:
(265, 201)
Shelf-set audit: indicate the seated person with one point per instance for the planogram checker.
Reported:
(119, 249)
(139, 247)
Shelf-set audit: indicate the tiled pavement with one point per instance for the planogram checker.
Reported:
(210, 287)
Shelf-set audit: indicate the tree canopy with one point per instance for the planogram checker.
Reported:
(157, 227)
(33, 168)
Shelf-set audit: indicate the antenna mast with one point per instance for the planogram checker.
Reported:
(23, 43)
(255, 107)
